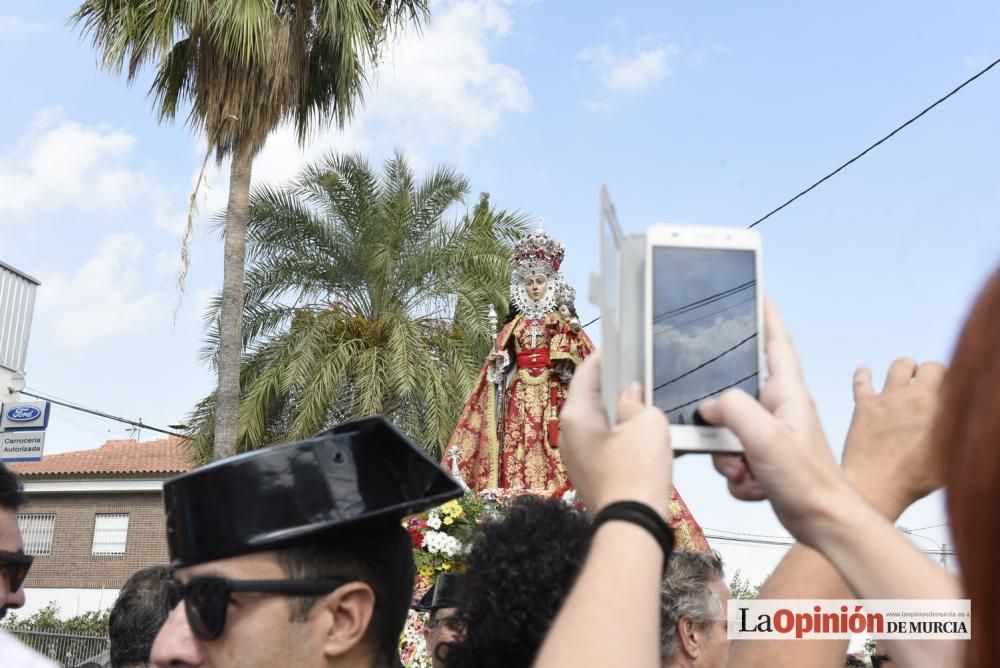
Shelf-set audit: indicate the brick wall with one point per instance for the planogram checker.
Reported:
(71, 563)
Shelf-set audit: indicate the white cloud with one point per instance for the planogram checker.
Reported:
(441, 86)
(102, 299)
(630, 72)
(63, 164)
(12, 26)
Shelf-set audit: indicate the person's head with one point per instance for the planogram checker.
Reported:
(295, 555)
(442, 629)
(137, 616)
(693, 611)
(14, 563)
(442, 625)
(536, 286)
(355, 624)
(521, 568)
(880, 658)
(967, 434)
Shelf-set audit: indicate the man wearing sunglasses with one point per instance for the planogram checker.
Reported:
(14, 565)
(294, 556)
(440, 603)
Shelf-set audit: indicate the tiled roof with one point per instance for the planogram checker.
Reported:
(126, 457)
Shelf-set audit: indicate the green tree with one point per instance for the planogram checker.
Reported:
(740, 586)
(48, 619)
(364, 294)
(243, 67)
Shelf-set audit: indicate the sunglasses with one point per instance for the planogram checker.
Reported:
(15, 566)
(206, 598)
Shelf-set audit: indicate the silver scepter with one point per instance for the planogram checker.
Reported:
(498, 374)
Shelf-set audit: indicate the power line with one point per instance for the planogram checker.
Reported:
(866, 151)
(790, 543)
(79, 426)
(670, 328)
(933, 526)
(878, 143)
(743, 533)
(706, 396)
(705, 301)
(704, 364)
(108, 416)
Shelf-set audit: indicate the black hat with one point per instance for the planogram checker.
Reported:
(446, 592)
(356, 472)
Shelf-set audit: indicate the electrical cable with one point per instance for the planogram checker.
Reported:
(704, 364)
(706, 396)
(108, 416)
(867, 150)
(878, 143)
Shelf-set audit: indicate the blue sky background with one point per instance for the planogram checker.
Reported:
(704, 113)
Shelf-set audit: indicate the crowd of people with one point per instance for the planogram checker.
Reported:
(295, 556)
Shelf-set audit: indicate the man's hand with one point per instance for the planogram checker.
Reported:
(784, 443)
(888, 455)
(631, 461)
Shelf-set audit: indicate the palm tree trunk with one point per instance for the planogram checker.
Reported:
(227, 401)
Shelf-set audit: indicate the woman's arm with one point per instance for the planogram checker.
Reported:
(611, 616)
(786, 450)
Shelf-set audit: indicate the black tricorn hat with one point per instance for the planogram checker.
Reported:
(355, 472)
(447, 592)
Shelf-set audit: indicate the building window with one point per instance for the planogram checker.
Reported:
(36, 530)
(110, 533)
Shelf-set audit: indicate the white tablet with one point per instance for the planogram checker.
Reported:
(704, 325)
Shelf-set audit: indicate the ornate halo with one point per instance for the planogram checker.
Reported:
(537, 254)
(520, 299)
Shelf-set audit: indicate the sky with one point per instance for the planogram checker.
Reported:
(700, 113)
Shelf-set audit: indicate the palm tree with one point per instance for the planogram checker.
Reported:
(363, 298)
(244, 67)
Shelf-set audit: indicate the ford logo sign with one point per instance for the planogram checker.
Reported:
(23, 414)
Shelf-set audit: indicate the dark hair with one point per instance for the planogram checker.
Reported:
(137, 616)
(512, 313)
(379, 554)
(521, 568)
(11, 491)
(967, 434)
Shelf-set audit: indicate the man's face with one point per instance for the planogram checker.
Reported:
(716, 640)
(441, 631)
(10, 541)
(259, 630)
(536, 286)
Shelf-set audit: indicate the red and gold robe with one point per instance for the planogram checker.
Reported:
(535, 391)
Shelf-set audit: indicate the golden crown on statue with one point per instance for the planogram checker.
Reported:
(539, 247)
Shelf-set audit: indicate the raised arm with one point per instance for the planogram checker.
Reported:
(889, 461)
(611, 616)
(787, 451)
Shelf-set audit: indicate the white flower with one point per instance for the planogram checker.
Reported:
(437, 542)
(434, 520)
(570, 497)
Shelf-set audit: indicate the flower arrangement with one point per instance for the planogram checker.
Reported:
(441, 539)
